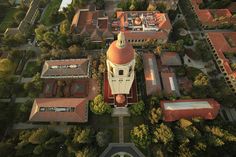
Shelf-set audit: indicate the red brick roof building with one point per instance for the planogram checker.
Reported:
(223, 44)
(175, 110)
(142, 27)
(170, 59)
(152, 77)
(212, 17)
(170, 84)
(68, 68)
(91, 24)
(59, 110)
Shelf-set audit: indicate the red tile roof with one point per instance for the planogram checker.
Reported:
(208, 16)
(162, 22)
(152, 77)
(175, 110)
(120, 55)
(221, 45)
(170, 58)
(52, 110)
(170, 84)
(69, 68)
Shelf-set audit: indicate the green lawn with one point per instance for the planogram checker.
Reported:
(51, 8)
(31, 69)
(8, 20)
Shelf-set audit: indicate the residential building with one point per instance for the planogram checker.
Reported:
(212, 17)
(189, 108)
(170, 59)
(152, 76)
(142, 27)
(170, 84)
(92, 25)
(59, 110)
(28, 20)
(223, 45)
(68, 68)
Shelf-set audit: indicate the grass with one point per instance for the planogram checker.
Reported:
(8, 20)
(52, 7)
(31, 69)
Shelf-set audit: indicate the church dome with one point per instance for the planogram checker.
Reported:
(120, 51)
(120, 98)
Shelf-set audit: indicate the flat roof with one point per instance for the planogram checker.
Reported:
(186, 105)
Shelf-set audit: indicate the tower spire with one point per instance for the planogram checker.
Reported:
(121, 40)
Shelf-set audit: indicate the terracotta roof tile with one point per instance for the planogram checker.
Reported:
(170, 84)
(205, 108)
(66, 68)
(57, 113)
(170, 59)
(152, 77)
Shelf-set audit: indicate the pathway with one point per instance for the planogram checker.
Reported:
(121, 129)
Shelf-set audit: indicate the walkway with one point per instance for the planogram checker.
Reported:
(59, 128)
(121, 129)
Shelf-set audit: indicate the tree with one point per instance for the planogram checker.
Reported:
(86, 152)
(6, 149)
(103, 138)
(74, 50)
(50, 38)
(100, 4)
(140, 136)
(38, 150)
(39, 136)
(201, 80)
(163, 134)
(151, 6)
(138, 63)
(19, 15)
(154, 115)
(98, 106)
(40, 31)
(83, 136)
(137, 109)
(161, 7)
(35, 86)
(65, 27)
(6, 67)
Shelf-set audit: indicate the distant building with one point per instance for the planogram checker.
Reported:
(92, 25)
(152, 77)
(120, 72)
(28, 20)
(170, 84)
(142, 27)
(68, 68)
(223, 45)
(170, 59)
(59, 110)
(191, 108)
(212, 17)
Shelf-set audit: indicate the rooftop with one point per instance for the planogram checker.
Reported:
(170, 59)
(59, 110)
(69, 68)
(152, 77)
(189, 108)
(170, 84)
